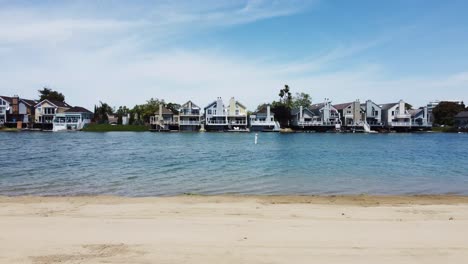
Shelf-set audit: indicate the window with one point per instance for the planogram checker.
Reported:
(237, 112)
(209, 111)
(393, 112)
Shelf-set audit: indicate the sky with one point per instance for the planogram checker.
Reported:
(126, 52)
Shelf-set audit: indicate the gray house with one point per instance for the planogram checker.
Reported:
(372, 113)
(461, 119)
(190, 117)
(263, 120)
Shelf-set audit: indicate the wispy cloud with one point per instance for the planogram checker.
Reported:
(129, 53)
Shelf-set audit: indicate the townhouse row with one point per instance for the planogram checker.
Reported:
(353, 116)
(233, 117)
(45, 115)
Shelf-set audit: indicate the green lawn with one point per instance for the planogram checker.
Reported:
(109, 128)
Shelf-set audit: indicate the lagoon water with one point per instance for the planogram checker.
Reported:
(154, 164)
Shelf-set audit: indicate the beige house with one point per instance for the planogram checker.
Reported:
(46, 110)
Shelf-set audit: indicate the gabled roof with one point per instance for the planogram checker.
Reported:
(415, 112)
(295, 111)
(186, 105)
(387, 106)
(213, 103)
(463, 114)
(78, 109)
(7, 98)
(165, 111)
(342, 106)
(29, 102)
(55, 103)
(317, 106)
(263, 110)
(241, 105)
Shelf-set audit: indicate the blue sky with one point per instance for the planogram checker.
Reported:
(125, 52)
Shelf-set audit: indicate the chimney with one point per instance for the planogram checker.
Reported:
(15, 104)
(268, 118)
(402, 108)
(160, 111)
(301, 114)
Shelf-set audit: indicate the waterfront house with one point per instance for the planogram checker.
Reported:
(215, 116)
(263, 120)
(46, 110)
(372, 113)
(461, 119)
(395, 116)
(351, 113)
(190, 117)
(420, 118)
(164, 120)
(75, 118)
(218, 117)
(5, 109)
(317, 117)
(16, 112)
(303, 118)
(236, 116)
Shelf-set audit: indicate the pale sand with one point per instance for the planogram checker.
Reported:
(243, 229)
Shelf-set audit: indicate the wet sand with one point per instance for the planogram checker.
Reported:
(234, 229)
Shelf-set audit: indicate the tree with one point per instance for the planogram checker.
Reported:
(173, 107)
(302, 99)
(282, 108)
(445, 112)
(49, 94)
(101, 112)
(121, 112)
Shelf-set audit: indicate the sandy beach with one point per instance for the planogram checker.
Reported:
(234, 229)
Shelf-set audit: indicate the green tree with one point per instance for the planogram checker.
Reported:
(282, 108)
(445, 112)
(49, 94)
(302, 99)
(173, 107)
(101, 112)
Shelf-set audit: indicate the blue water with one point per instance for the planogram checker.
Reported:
(153, 164)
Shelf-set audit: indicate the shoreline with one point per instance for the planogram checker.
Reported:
(418, 199)
(234, 229)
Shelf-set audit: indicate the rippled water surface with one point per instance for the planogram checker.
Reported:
(148, 164)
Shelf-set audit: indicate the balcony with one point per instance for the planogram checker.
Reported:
(216, 122)
(262, 123)
(402, 115)
(189, 113)
(189, 123)
(400, 124)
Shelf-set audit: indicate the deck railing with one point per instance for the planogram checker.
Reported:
(185, 122)
(401, 124)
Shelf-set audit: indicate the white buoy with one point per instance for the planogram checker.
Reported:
(256, 138)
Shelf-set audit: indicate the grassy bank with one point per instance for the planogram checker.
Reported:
(7, 129)
(110, 128)
(447, 129)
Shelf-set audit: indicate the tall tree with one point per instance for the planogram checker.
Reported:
(47, 93)
(302, 99)
(445, 112)
(173, 107)
(282, 108)
(101, 112)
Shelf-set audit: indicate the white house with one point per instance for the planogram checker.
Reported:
(395, 115)
(264, 120)
(75, 118)
(372, 113)
(420, 118)
(4, 109)
(190, 117)
(230, 118)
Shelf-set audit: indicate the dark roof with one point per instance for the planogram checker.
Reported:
(317, 106)
(29, 102)
(165, 111)
(7, 98)
(56, 103)
(415, 112)
(463, 114)
(342, 106)
(263, 110)
(78, 109)
(208, 106)
(388, 106)
(295, 111)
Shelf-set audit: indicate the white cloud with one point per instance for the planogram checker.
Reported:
(124, 61)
